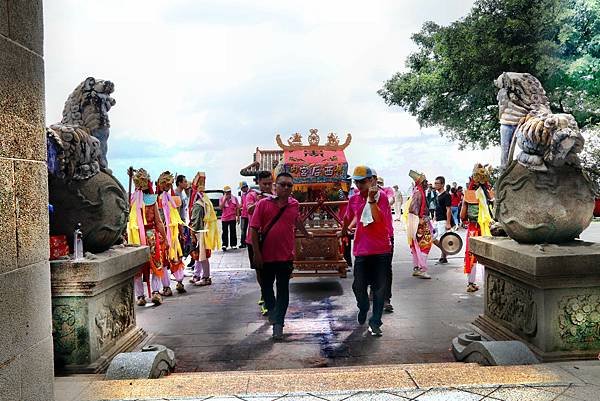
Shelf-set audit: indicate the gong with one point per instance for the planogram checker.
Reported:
(451, 243)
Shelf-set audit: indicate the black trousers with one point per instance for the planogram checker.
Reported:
(243, 229)
(229, 236)
(388, 284)
(371, 271)
(277, 273)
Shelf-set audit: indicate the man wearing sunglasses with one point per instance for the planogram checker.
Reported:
(274, 220)
(372, 246)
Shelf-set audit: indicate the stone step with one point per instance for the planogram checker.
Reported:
(366, 378)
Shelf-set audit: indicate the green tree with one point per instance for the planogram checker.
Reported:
(448, 81)
(590, 157)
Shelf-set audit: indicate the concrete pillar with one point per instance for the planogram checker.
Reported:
(26, 367)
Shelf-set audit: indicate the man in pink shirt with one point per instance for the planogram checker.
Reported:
(371, 245)
(244, 213)
(230, 207)
(274, 220)
(264, 179)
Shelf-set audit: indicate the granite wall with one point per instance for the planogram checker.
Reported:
(26, 367)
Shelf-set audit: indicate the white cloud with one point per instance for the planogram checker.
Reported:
(200, 84)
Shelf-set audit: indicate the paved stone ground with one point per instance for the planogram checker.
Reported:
(578, 380)
(219, 328)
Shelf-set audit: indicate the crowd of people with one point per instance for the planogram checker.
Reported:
(180, 221)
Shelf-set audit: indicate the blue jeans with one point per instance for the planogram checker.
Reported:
(371, 270)
(455, 215)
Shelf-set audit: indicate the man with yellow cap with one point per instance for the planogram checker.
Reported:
(372, 247)
(230, 207)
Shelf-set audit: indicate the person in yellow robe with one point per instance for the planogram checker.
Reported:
(146, 228)
(203, 224)
(168, 204)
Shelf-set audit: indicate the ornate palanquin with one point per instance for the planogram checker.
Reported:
(319, 173)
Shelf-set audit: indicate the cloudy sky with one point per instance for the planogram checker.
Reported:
(200, 84)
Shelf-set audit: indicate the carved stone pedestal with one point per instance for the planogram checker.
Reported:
(93, 315)
(547, 296)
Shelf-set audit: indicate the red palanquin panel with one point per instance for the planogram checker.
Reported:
(315, 165)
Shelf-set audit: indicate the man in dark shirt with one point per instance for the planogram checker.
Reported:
(443, 214)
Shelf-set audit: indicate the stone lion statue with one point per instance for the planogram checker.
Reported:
(88, 106)
(543, 196)
(548, 140)
(81, 187)
(518, 95)
(72, 152)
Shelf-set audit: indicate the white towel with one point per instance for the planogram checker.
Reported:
(366, 217)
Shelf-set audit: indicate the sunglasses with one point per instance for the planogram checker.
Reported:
(285, 184)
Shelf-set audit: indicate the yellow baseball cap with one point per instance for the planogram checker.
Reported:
(362, 172)
(227, 188)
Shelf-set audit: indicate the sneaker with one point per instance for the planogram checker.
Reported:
(167, 292)
(361, 318)
(201, 283)
(442, 261)
(424, 275)
(224, 249)
(242, 246)
(192, 263)
(416, 272)
(375, 331)
(141, 301)
(156, 298)
(277, 332)
(472, 287)
(387, 307)
(180, 288)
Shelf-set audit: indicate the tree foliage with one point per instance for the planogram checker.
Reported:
(448, 81)
(590, 157)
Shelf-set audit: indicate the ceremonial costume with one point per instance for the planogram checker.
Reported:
(418, 230)
(146, 228)
(476, 213)
(203, 224)
(169, 205)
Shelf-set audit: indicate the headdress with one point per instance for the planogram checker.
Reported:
(141, 180)
(481, 174)
(199, 181)
(416, 176)
(165, 179)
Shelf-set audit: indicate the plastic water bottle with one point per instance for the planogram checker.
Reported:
(78, 243)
